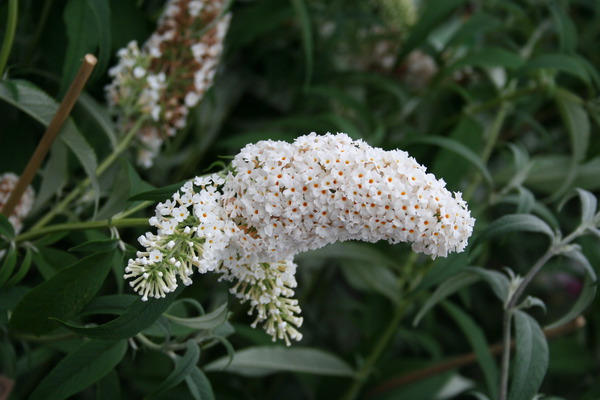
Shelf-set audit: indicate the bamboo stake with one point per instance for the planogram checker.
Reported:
(62, 113)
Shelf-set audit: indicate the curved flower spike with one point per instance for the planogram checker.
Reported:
(284, 199)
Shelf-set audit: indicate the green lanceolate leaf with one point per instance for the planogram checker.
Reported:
(577, 124)
(566, 29)
(138, 316)
(442, 269)
(353, 251)
(561, 62)
(476, 338)
(183, 367)
(490, 57)
(203, 322)
(108, 388)
(498, 282)
(588, 205)
(460, 149)
(264, 360)
(531, 358)
(79, 369)
(514, 223)
(372, 276)
(199, 385)
(477, 24)
(88, 29)
(588, 293)
(54, 176)
(42, 108)
(8, 265)
(99, 115)
(62, 296)
(307, 38)
(96, 246)
(160, 194)
(449, 287)
(22, 269)
(6, 228)
(115, 304)
(430, 19)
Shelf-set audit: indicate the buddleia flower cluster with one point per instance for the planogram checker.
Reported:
(169, 74)
(8, 181)
(281, 199)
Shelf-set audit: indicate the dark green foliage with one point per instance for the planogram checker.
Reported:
(509, 116)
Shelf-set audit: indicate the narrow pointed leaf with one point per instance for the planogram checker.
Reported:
(459, 149)
(498, 282)
(531, 358)
(431, 18)
(490, 57)
(88, 31)
(138, 316)
(476, 338)
(8, 265)
(588, 205)
(183, 367)
(22, 270)
(514, 223)
(588, 293)
(373, 277)
(160, 194)
(6, 228)
(199, 385)
(561, 62)
(206, 321)
(264, 360)
(307, 38)
(80, 369)
(62, 296)
(449, 287)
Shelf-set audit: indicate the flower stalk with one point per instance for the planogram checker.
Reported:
(513, 303)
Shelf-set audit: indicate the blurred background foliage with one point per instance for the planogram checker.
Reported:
(497, 97)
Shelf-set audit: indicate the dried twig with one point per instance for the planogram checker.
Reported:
(464, 360)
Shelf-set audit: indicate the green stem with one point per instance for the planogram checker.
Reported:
(133, 210)
(79, 189)
(78, 226)
(491, 139)
(474, 109)
(35, 38)
(513, 304)
(381, 345)
(9, 34)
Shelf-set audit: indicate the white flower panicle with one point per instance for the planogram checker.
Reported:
(170, 73)
(194, 232)
(8, 181)
(283, 199)
(323, 189)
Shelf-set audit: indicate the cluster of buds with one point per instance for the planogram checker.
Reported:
(170, 73)
(194, 232)
(8, 181)
(283, 199)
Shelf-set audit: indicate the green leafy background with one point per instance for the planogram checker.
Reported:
(510, 118)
